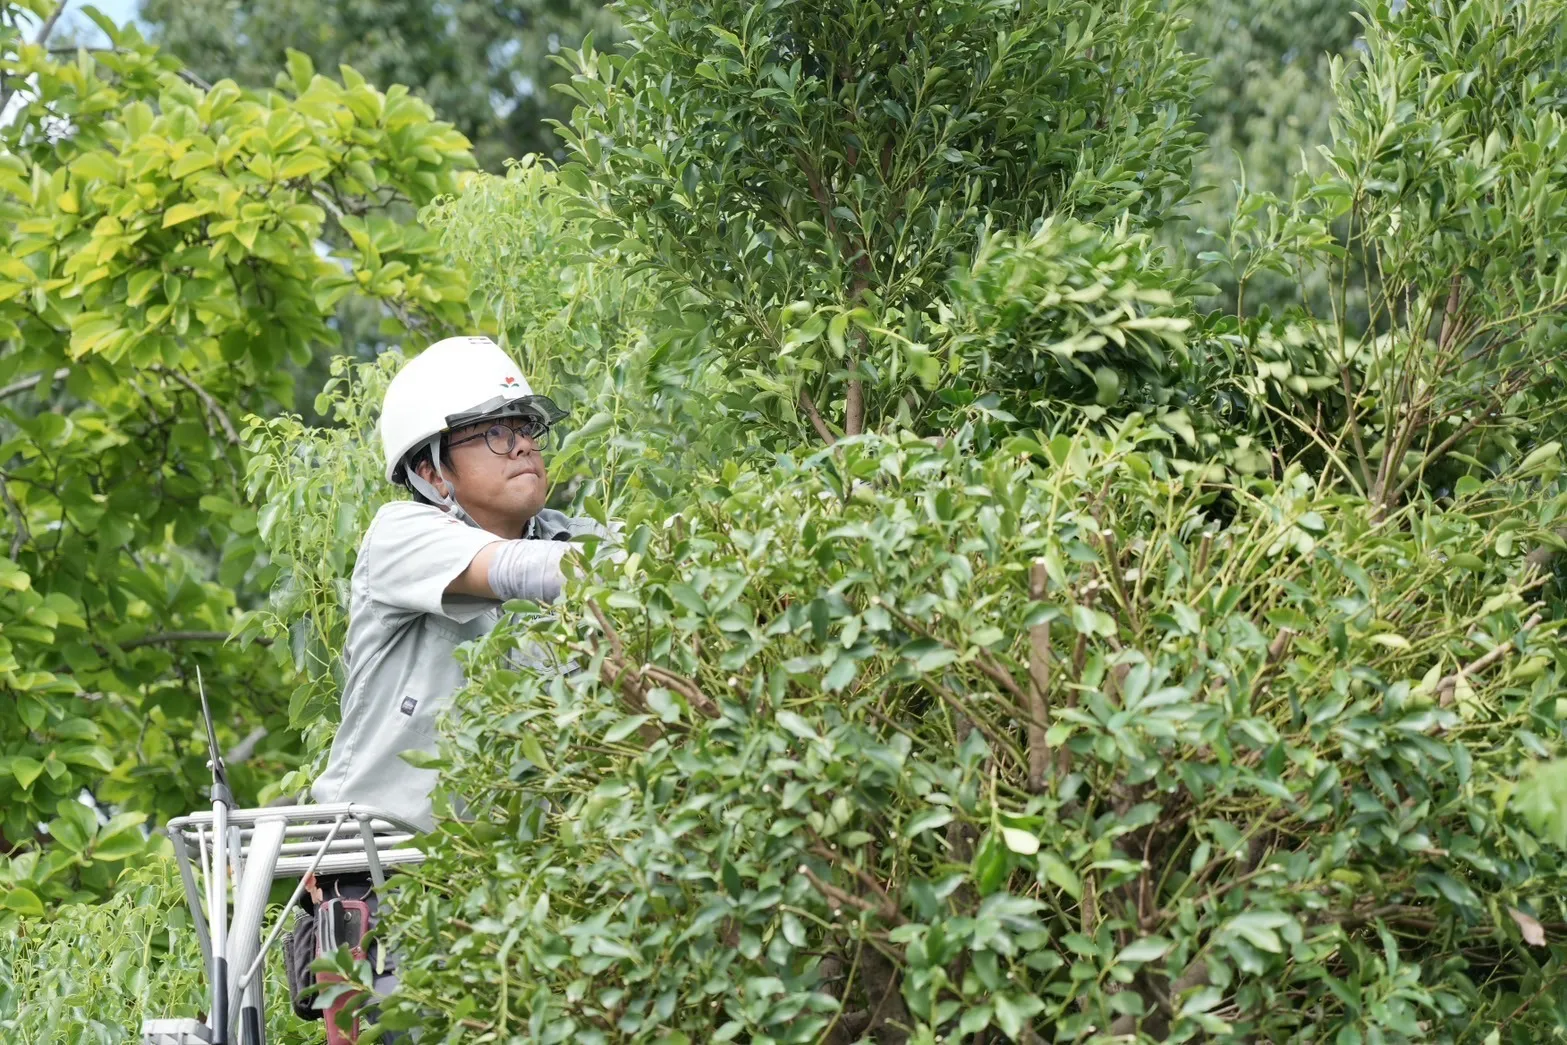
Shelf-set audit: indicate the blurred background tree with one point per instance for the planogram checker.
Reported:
(1266, 107)
(481, 64)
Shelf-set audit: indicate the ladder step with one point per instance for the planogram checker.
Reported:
(175, 1032)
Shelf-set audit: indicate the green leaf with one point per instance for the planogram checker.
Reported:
(25, 769)
(300, 68)
(990, 865)
(1540, 456)
(732, 883)
(193, 161)
(1058, 873)
(13, 577)
(23, 901)
(119, 846)
(928, 820)
(623, 728)
(687, 596)
(1257, 928)
(1147, 949)
(1024, 842)
(796, 725)
(183, 212)
(533, 751)
(421, 759)
(975, 1019)
(1014, 1010)
(91, 755)
(302, 164)
(840, 675)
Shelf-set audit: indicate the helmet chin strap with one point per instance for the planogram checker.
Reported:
(449, 501)
(430, 493)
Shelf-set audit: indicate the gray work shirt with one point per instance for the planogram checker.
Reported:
(403, 630)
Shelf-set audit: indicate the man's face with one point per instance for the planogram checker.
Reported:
(509, 488)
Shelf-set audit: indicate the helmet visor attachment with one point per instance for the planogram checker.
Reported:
(542, 408)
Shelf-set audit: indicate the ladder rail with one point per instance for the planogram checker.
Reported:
(277, 928)
(193, 901)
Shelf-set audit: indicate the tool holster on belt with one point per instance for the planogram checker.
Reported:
(340, 922)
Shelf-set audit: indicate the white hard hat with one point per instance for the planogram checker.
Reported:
(453, 383)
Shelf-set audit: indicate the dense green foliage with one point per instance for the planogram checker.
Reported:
(160, 271)
(92, 973)
(874, 742)
(811, 172)
(1006, 647)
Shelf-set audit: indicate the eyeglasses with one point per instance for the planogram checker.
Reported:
(501, 437)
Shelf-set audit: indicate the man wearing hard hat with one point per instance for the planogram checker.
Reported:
(463, 431)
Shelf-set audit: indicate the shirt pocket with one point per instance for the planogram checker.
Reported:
(416, 712)
(433, 676)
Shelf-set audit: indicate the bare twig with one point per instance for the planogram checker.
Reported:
(48, 26)
(23, 534)
(163, 638)
(840, 897)
(1447, 688)
(214, 409)
(809, 406)
(245, 748)
(29, 383)
(1039, 686)
(886, 909)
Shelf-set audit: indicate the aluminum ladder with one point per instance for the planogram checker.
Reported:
(259, 847)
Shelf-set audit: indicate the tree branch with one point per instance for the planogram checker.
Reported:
(213, 408)
(163, 638)
(1446, 690)
(1449, 329)
(886, 909)
(1039, 686)
(1442, 448)
(23, 534)
(245, 748)
(48, 26)
(29, 383)
(841, 897)
(809, 406)
(43, 35)
(617, 673)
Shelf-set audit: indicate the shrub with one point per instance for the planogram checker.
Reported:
(91, 972)
(906, 742)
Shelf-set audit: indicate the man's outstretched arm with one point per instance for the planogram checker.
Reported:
(520, 569)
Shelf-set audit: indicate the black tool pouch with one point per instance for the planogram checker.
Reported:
(299, 950)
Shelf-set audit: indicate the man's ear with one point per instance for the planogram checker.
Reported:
(426, 472)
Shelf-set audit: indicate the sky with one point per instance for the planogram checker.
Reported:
(119, 11)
